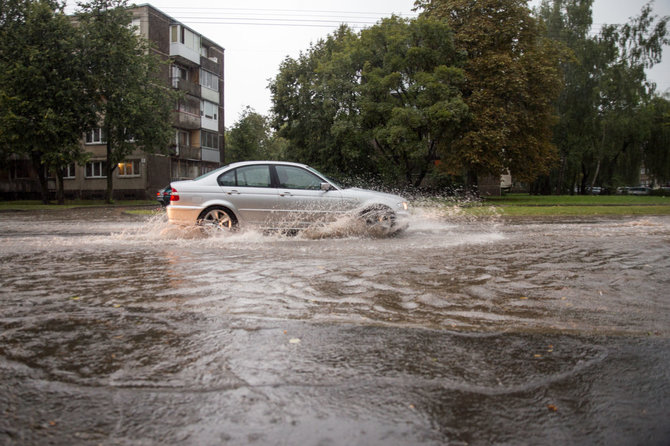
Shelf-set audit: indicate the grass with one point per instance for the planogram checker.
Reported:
(35, 205)
(577, 200)
(525, 205)
(512, 205)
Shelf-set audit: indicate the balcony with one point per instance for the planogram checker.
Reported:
(188, 121)
(212, 64)
(183, 54)
(185, 85)
(186, 152)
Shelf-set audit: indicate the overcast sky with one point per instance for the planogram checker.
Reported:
(259, 34)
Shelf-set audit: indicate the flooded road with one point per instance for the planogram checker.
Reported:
(119, 329)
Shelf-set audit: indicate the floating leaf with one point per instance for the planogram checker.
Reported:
(552, 407)
(294, 341)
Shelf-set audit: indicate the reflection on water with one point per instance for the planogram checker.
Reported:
(117, 329)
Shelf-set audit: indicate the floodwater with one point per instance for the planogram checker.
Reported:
(119, 329)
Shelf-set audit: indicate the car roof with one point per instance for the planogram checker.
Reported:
(250, 163)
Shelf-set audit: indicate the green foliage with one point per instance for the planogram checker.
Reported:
(135, 108)
(251, 138)
(313, 98)
(512, 79)
(410, 100)
(380, 102)
(604, 121)
(657, 145)
(44, 106)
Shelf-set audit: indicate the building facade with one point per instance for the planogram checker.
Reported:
(194, 66)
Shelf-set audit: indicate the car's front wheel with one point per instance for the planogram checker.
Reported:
(217, 217)
(380, 217)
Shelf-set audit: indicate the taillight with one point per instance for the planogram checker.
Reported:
(174, 196)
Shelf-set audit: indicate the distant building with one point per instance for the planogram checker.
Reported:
(196, 69)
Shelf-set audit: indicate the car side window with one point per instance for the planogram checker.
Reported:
(253, 176)
(248, 176)
(228, 179)
(291, 177)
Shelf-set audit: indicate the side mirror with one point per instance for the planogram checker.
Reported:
(326, 186)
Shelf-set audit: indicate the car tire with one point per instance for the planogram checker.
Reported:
(217, 217)
(381, 217)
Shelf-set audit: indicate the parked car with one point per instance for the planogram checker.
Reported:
(278, 195)
(163, 195)
(639, 190)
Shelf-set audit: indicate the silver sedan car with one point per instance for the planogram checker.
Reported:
(278, 195)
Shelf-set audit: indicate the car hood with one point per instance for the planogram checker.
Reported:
(358, 192)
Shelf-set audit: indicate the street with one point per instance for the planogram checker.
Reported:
(120, 329)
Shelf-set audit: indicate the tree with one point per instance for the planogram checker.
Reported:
(380, 102)
(657, 145)
(44, 106)
(307, 102)
(134, 106)
(410, 100)
(251, 138)
(603, 120)
(512, 80)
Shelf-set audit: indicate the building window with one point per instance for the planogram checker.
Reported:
(178, 73)
(136, 25)
(209, 139)
(183, 138)
(96, 169)
(96, 136)
(209, 109)
(129, 168)
(69, 172)
(179, 34)
(209, 80)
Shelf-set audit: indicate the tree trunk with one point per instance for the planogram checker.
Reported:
(471, 181)
(109, 195)
(60, 187)
(36, 159)
(595, 175)
(561, 175)
(109, 168)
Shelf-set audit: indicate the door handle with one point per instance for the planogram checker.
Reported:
(233, 192)
(285, 194)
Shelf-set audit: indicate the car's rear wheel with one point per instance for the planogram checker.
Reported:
(217, 217)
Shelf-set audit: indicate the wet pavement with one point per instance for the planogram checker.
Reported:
(120, 329)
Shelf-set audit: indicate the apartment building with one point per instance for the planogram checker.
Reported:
(196, 69)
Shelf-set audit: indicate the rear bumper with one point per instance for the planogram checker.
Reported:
(183, 215)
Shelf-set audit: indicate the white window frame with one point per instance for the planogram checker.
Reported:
(129, 169)
(96, 136)
(213, 110)
(204, 139)
(209, 80)
(70, 172)
(96, 169)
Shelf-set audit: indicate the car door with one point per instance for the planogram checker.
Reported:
(302, 201)
(249, 189)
